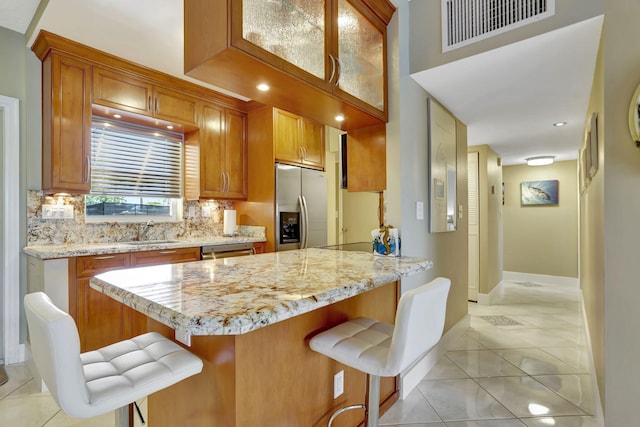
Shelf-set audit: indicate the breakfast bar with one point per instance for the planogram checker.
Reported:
(250, 319)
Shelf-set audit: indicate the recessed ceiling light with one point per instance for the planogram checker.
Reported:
(559, 124)
(263, 87)
(339, 118)
(117, 116)
(169, 127)
(540, 160)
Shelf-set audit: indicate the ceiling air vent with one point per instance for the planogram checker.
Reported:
(468, 21)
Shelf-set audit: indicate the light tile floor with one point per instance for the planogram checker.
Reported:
(531, 374)
(522, 363)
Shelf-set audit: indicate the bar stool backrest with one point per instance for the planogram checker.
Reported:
(419, 323)
(56, 351)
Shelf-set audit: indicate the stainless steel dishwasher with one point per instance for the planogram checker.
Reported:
(226, 250)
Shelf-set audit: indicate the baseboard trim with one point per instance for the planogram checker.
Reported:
(599, 412)
(513, 276)
(496, 294)
(411, 378)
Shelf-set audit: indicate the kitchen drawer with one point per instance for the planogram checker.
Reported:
(89, 266)
(165, 256)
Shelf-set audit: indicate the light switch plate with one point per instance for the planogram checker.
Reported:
(419, 210)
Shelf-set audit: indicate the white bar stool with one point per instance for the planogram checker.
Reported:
(382, 350)
(111, 378)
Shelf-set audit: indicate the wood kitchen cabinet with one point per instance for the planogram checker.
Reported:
(66, 124)
(122, 91)
(165, 256)
(101, 320)
(79, 80)
(321, 58)
(216, 156)
(298, 140)
(366, 159)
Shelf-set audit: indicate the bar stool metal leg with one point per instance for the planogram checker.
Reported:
(372, 396)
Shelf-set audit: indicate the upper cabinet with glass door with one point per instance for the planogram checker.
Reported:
(321, 58)
(293, 30)
(361, 56)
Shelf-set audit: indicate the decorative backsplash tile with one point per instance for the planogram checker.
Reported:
(70, 231)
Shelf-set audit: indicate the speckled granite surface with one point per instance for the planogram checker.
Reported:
(83, 249)
(237, 295)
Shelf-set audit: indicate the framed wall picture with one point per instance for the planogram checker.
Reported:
(534, 193)
(442, 168)
(592, 141)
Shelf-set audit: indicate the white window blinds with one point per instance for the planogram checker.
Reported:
(129, 160)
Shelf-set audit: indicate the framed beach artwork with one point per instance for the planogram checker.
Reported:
(533, 193)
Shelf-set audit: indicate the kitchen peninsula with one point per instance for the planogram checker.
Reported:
(250, 319)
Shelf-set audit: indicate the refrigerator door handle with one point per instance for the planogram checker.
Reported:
(305, 222)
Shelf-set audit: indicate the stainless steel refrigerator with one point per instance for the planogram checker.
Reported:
(301, 208)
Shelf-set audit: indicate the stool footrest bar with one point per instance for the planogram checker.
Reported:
(345, 409)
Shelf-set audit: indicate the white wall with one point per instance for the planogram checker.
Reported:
(407, 174)
(621, 213)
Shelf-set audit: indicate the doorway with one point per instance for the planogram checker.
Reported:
(11, 351)
(474, 226)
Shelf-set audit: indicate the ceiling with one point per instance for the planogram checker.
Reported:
(508, 97)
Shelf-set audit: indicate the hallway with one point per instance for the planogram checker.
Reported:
(522, 362)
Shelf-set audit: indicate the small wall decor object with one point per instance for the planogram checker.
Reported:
(534, 193)
(634, 116)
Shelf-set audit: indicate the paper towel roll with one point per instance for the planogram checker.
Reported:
(229, 222)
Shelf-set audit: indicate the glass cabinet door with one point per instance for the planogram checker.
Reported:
(293, 30)
(361, 56)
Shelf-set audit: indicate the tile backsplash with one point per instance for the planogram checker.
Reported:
(71, 231)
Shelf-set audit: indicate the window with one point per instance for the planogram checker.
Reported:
(136, 173)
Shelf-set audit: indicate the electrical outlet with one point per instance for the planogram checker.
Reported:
(192, 211)
(57, 212)
(206, 211)
(338, 384)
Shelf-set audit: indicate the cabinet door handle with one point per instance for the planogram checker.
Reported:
(87, 170)
(104, 257)
(339, 73)
(228, 182)
(157, 105)
(333, 67)
(167, 252)
(223, 183)
(150, 104)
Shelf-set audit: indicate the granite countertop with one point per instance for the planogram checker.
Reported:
(83, 249)
(234, 296)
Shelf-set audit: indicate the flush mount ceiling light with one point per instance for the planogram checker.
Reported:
(540, 160)
(263, 87)
(339, 118)
(559, 124)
